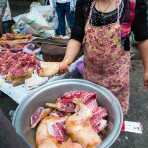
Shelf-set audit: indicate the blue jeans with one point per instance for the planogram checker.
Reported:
(6, 26)
(63, 10)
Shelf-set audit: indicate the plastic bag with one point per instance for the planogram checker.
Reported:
(48, 13)
(40, 21)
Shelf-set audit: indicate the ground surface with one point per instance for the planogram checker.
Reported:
(138, 110)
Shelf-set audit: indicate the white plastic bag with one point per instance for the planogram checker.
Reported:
(49, 14)
(40, 21)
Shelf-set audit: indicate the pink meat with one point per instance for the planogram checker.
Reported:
(66, 101)
(59, 131)
(90, 100)
(16, 63)
(98, 114)
(96, 120)
(100, 126)
(92, 104)
(36, 116)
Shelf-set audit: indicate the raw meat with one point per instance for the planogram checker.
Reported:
(16, 64)
(66, 104)
(79, 127)
(39, 114)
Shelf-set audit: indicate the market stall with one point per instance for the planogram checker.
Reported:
(33, 40)
(20, 64)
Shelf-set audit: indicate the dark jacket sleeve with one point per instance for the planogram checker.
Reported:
(8, 136)
(140, 25)
(79, 25)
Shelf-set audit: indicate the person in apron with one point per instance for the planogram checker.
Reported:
(106, 60)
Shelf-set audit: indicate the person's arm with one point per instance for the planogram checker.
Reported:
(77, 34)
(143, 47)
(140, 29)
(73, 49)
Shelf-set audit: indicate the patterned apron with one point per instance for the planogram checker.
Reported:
(106, 62)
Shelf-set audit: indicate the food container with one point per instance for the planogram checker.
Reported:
(52, 52)
(21, 119)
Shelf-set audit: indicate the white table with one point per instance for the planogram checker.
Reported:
(19, 93)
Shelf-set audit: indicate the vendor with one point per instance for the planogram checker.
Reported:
(102, 28)
(5, 17)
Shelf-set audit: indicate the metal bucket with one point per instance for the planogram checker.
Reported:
(21, 119)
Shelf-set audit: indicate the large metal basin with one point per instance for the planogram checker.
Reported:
(21, 120)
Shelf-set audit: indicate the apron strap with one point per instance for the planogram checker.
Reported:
(119, 9)
(90, 12)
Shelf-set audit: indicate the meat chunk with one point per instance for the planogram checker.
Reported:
(79, 128)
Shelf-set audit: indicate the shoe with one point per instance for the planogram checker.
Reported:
(66, 37)
(61, 36)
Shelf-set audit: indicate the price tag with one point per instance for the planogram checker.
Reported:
(132, 127)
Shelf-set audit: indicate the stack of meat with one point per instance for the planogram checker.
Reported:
(14, 41)
(74, 121)
(17, 66)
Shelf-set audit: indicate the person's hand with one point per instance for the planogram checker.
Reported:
(146, 80)
(63, 67)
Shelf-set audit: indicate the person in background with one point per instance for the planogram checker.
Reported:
(64, 9)
(3, 5)
(102, 28)
(5, 17)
